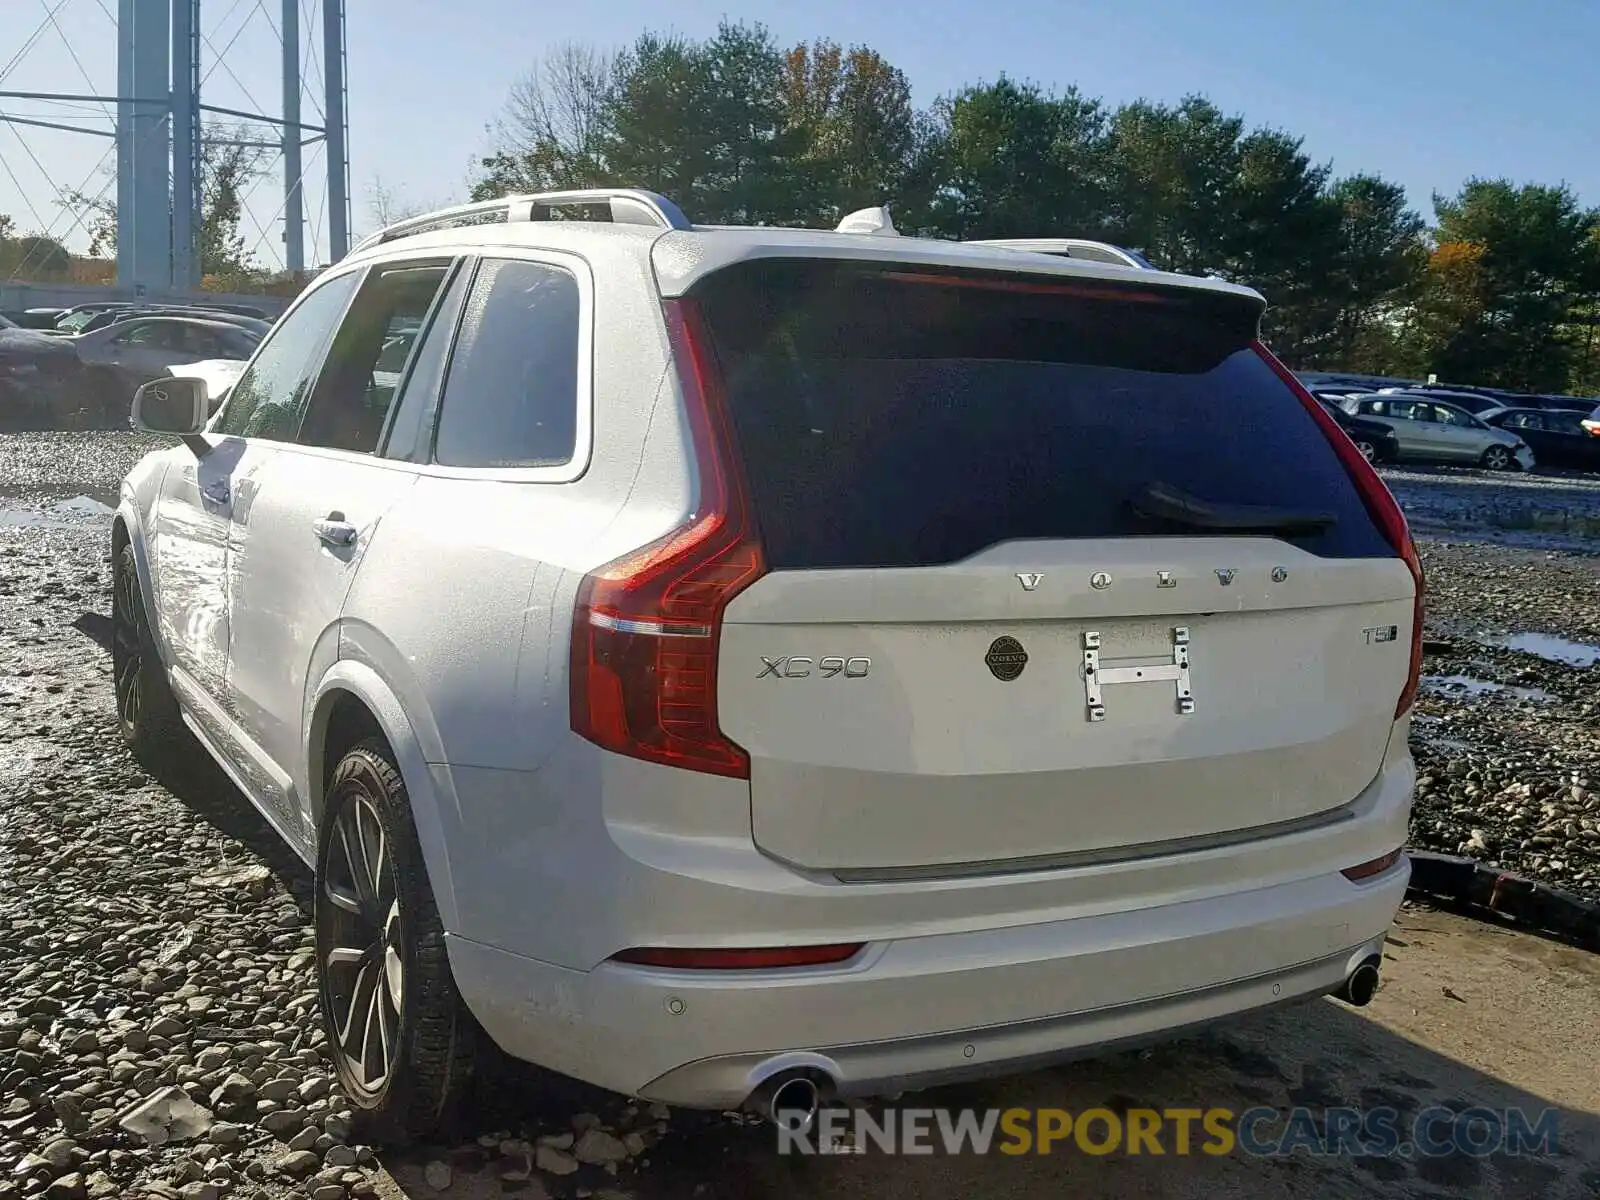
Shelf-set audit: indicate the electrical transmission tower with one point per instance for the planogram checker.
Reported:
(157, 129)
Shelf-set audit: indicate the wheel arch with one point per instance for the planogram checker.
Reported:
(352, 702)
(127, 530)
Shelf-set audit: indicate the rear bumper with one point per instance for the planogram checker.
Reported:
(915, 1011)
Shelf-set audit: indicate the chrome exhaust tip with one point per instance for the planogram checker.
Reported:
(790, 1100)
(1361, 985)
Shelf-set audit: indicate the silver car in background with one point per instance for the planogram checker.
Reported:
(1435, 431)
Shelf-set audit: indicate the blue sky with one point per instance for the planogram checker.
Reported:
(1425, 92)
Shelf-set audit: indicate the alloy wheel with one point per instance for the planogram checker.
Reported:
(1496, 458)
(127, 647)
(364, 967)
(1368, 451)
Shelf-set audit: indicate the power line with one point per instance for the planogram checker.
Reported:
(86, 209)
(245, 24)
(282, 204)
(38, 220)
(33, 39)
(78, 62)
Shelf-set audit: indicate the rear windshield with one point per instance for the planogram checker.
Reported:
(892, 418)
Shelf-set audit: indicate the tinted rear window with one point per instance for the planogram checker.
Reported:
(891, 418)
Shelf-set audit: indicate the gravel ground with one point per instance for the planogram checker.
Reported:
(154, 944)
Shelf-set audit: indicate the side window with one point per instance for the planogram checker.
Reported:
(237, 345)
(1524, 421)
(1565, 423)
(142, 335)
(201, 342)
(419, 393)
(1449, 416)
(511, 396)
(367, 360)
(265, 403)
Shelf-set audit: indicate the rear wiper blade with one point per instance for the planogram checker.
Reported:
(1163, 502)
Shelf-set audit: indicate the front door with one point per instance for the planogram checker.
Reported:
(1460, 437)
(317, 507)
(196, 506)
(207, 512)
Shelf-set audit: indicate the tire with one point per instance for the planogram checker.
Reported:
(404, 1046)
(1369, 450)
(111, 402)
(147, 711)
(1497, 458)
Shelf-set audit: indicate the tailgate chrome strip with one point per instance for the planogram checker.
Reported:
(1092, 858)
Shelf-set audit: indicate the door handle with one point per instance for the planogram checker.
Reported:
(334, 530)
(216, 491)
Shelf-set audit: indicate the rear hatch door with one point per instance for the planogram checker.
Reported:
(1057, 570)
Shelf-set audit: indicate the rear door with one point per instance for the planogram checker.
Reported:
(1055, 570)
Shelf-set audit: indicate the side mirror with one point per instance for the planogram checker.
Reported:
(172, 406)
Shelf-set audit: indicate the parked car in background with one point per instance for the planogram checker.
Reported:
(1375, 440)
(116, 316)
(1559, 438)
(41, 382)
(1472, 402)
(1437, 431)
(43, 319)
(254, 324)
(76, 319)
(121, 357)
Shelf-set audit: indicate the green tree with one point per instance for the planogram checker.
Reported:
(857, 130)
(550, 134)
(31, 256)
(231, 160)
(704, 123)
(1172, 172)
(1511, 266)
(1008, 159)
(1374, 277)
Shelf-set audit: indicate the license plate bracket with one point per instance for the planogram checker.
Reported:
(1096, 677)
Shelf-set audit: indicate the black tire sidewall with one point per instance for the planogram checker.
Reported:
(159, 727)
(407, 1103)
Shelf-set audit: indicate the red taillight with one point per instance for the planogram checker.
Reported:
(1592, 426)
(766, 958)
(1380, 503)
(646, 627)
(1373, 866)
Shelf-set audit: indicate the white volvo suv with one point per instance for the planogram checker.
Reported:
(758, 665)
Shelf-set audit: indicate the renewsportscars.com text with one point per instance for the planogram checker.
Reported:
(1258, 1132)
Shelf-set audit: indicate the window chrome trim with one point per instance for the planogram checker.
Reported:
(583, 427)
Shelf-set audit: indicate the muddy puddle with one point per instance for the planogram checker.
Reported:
(1551, 648)
(69, 512)
(1467, 687)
